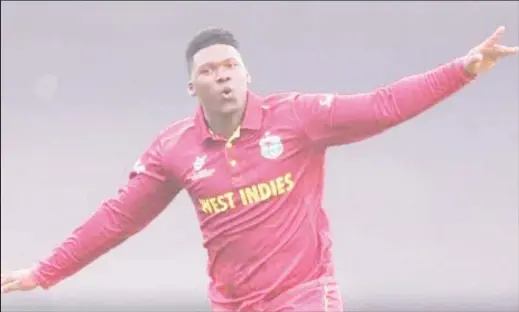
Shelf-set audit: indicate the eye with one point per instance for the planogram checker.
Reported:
(204, 71)
(230, 65)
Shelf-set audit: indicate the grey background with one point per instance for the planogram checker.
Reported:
(424, 217)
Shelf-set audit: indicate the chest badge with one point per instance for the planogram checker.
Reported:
(199, 162)
(199, 171)
(271, 146)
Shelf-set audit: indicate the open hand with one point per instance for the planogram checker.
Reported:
(20, 280)
(486, 55)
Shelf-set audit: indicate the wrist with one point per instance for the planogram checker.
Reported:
(463, 64)
(37, 277)
(468, 66)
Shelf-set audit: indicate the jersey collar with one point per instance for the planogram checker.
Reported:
(251, 121)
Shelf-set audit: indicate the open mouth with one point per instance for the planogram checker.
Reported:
(226, 91)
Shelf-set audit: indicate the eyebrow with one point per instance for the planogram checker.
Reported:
(220, 62)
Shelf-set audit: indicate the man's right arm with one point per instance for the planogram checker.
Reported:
(147, 193)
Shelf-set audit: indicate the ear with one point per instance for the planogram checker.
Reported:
(249, 78)
(191, 89)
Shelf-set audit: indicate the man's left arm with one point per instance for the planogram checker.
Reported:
(338, 119)
(330, 119)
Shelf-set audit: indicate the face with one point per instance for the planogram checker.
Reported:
(219, 79)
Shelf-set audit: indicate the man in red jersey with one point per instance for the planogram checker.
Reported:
(253, 167)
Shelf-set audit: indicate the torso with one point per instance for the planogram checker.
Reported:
(258, 201)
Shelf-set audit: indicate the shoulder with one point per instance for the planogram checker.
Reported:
(280, 100)
(175, 133)
(285, 106)
(287, 101)
(279, 103)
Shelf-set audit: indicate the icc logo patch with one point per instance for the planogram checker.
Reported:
(271, 146)
(199, 162)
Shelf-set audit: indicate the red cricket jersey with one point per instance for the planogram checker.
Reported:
(258, 196)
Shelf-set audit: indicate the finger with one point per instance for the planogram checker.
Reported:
(504, 50)
(12, 286)
(6, 279)
(498, 51)
(495, 37)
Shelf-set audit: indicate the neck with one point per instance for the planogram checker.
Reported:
(224, 125)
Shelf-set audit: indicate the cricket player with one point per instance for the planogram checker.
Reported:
(253, 166)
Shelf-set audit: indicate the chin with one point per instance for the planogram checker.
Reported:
(229, 108)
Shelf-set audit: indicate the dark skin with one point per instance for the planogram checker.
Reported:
(219, 81)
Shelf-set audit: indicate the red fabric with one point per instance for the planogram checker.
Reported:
(259, 199)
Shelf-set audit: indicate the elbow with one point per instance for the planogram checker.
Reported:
(115, 224)
(387, 111)
(106, 229)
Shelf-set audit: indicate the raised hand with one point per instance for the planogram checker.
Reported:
(484, 56)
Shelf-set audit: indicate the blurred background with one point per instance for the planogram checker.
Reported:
(424, 217)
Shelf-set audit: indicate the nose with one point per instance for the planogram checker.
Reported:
(222, 75)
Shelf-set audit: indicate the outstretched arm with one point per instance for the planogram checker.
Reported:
(329, 119)
(147, 193)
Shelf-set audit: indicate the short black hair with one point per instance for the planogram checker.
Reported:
(206, 38)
